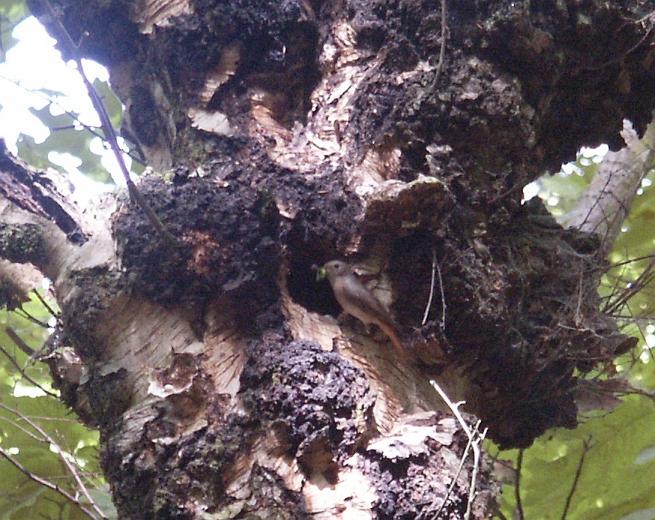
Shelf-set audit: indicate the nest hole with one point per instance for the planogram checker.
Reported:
(304, 288)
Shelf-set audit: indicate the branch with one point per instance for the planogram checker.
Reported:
(71, 115)
(108, 129)
(24, 374)
(443, 300)
(71, 469)
(474, 441)
(46, 305)
(605, 203)
(429, 304)
(444, 29)
(644, 278)
(18, 341)
(462, 460)
(517, 486)
(476, 468)
(47, 484)
(586, 446)
(24, 314)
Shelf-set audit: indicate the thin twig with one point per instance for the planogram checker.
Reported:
(442, 50)
(69, 466)
(443, 299)
(597, 201)
(71, 115)
(24, 430)
(18, 341)
(517, 486)
(453, 407)
(640, 328)
(476, 468)
(28, 316)
(630, 260)
(46, 483)
(474, 439)
(24, 374)
(108, 129)
(462, 461)
(577, 319)
(586, 446)
(644, 278)
(429, 304)
(62, 128)
(45, 304)
(618, 280)
(57, 419)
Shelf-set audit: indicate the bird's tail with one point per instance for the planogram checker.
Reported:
(392, 334)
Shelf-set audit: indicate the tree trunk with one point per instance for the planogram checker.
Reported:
(289, 133)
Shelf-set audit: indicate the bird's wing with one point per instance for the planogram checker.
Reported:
(361, 303)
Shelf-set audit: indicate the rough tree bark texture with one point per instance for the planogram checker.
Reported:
(292, 132)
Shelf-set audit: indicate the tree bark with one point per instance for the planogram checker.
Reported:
(290, 133)
(605, 203)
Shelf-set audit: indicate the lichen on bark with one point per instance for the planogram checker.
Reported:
(22, 243)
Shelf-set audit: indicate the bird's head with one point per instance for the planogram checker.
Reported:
(333, 269)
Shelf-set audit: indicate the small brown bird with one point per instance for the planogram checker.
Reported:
(358, 301)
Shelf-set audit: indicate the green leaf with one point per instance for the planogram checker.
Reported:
(615, 480)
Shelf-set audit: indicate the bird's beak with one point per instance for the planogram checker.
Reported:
(321, 273)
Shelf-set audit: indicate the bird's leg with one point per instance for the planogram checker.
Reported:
(346, 320)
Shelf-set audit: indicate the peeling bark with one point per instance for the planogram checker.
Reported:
(296, 132)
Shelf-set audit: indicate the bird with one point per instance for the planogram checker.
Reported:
(355, 299)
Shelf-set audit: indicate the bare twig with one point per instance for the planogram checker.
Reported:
(618, 279)
(108, 129)
(476, 468)
(45, 304)
(69, 466)
(429, 304)
(62, 128)
(578, 316)
(442, 50)
(443, 299)
(436, 270)
(46, 483)
(462, 460)
(474, 440)
(586, 446)
(639, 327)
(631, 260)
(31, 318)
(453, 407)
(24, 374)
(596, 202)
(517, 486)
(24, 430)
(644, 278)
(71, 115)
(18, 341)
